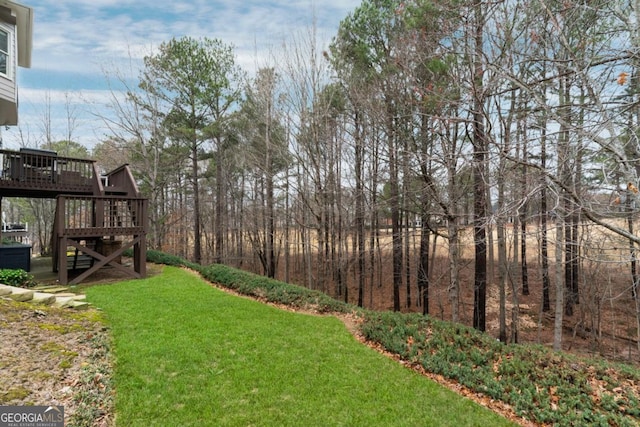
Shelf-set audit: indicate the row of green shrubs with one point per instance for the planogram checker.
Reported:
(254, 285)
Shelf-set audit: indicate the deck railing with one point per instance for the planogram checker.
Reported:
(98, 216)
(42, 169)
(83, 222)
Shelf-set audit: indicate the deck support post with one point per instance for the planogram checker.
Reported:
(62, 261)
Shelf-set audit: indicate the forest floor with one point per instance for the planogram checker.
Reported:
(603, 323)
(52, 356)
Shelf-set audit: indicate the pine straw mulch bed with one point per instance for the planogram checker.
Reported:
(56, 356)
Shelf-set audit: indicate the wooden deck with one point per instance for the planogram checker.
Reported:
(90, 209)
(42, 174)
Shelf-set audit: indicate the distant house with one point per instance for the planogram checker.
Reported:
(16, 40)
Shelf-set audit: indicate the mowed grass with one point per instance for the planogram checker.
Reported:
(187, 354)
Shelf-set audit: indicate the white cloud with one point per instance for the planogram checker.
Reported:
(77, 38)
(57, 97)
(104, 30)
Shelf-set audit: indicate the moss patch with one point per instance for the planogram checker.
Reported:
(16, 393)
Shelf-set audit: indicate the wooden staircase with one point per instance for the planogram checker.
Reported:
(97, 216)
(91, 232)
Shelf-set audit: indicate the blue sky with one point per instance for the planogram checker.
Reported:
(75, 41)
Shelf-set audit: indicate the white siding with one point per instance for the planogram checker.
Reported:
(8, 87)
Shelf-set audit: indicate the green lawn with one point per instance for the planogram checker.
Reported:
(187, 354)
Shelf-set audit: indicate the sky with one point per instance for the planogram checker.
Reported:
(78, 43)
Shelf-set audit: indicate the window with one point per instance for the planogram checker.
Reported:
(4, 52)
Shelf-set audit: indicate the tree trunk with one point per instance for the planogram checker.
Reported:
(559, 311)
(195, 183)
(218, 252)
(423, 263)
(394, 205)
(479, 190)
(454, 268)
(359, 219)
(270, 230)
(287, 230)
(408, 220)
(546, 303)
(502, 265)
(374, 238)
(524, 273)
(270, 220)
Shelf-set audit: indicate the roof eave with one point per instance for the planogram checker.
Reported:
(24, 24)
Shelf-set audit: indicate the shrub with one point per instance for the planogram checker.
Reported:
(272, 290)
(158, 257)
(255, 285)
(17, 277)
(541, 385)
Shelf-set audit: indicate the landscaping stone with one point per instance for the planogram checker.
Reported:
(46, 295)
(78, 305)
(63, 301)
(43, 298)
(20, 294)
(53, 289)
(64, 294)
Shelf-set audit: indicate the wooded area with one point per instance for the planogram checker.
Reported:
(443, 157)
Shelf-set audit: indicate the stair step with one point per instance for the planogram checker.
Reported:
(51, 289)
(65, 295)
(80, 262)
(63, 301)
(43, 298)
(71, 302)
(20, 294)
(79, 305)
(46, 296)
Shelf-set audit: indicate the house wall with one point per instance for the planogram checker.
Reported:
(8, 87)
